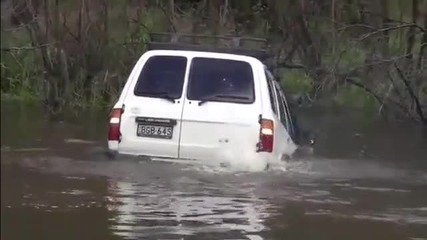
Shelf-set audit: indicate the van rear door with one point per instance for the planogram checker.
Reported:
(151, 121)
(220, 115)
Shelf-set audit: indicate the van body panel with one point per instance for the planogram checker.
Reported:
(218, 130)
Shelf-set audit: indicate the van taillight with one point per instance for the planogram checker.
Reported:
(114, 129)
(266, 136)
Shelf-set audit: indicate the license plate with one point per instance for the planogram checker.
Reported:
(154, 131)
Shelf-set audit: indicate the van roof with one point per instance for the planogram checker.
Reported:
(191, 54)
(234, 45)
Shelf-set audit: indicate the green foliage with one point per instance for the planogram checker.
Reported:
(18, 75)
(355, 97)
(297, 81)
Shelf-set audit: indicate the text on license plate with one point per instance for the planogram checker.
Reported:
(154, 131)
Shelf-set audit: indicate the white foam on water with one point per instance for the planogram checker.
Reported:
(241, 158)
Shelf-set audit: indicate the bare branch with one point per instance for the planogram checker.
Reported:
(64, 24)
(8, 49)
(381, 101)
(365, 36)
(391, 60)
(291, 66)
(391, 20)
(346, 27)
(18, 28)
(412, 94)
(396, 89)
(368, 90)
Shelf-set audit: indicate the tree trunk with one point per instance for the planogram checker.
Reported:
(333, 10)
(81, 21)
(106, 27)
(385, 23)
(171, 13)
(47, 18)
(361, 7)
(310, 55)
(423, 50)
(411, 31)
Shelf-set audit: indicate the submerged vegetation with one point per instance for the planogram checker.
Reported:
(365, 54)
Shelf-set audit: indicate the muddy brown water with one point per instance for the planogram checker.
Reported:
(364, 180)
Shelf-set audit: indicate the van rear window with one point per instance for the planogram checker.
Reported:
(162, 77)
(221, 80)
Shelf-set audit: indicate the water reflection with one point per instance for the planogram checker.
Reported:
(143, 210)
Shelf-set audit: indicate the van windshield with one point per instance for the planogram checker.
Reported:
(162, 77)
(221, 80)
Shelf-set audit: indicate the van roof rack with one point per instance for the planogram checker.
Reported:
(209, 43)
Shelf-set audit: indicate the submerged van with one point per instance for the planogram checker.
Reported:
(201, 105)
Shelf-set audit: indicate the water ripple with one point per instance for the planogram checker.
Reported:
(182, 213)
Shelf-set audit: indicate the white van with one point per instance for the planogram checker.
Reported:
(199, 105)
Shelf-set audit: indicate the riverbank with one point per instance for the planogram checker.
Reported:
(79, 53)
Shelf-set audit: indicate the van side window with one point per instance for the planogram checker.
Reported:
(284, 115)
(285, 103)
(291, 124)
(271, 93)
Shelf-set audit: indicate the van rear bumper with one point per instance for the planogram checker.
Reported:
(116, 155)
(255, 162)
(113, 146)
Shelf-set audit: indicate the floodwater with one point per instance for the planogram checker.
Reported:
(364, 180)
